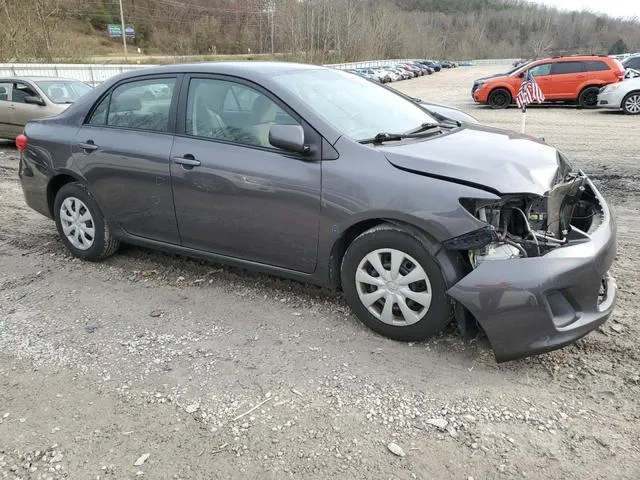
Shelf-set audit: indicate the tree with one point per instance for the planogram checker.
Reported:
(618, 47)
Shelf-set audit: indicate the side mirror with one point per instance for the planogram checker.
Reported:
(288, 137)
(521, 75)
(33, 100)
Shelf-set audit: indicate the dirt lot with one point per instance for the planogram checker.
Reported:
(216, 373)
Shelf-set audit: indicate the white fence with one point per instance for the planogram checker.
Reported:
(90, 73)
(97, 73)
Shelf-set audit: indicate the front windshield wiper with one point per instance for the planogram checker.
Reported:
(431, 126)
(394, 137)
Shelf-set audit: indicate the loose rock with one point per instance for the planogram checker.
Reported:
(396, 449)
(440, 423)
(141, 459)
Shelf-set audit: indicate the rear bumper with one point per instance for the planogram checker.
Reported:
(534, 305)
(34, 178)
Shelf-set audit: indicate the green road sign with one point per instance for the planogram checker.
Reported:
(115, 30)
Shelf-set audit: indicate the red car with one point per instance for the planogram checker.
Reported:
(566, 79)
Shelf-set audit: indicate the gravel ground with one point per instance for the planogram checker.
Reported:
(219, 373)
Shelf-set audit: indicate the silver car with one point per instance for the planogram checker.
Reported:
(623, 96)
(26, 98)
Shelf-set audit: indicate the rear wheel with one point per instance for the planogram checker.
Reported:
(589, 97)
(394, 286)
(499, 98)
(631, 103)
(81, 225)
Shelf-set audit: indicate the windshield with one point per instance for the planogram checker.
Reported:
(63, 91)
(357, 107)
(515, 69)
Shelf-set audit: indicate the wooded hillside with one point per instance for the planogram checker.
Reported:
(310, 30)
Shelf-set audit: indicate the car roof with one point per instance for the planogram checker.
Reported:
(251, 70)
(574, 58)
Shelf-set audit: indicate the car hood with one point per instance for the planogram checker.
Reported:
(484, 79)
(485, 157)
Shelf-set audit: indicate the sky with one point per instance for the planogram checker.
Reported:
(613, 8)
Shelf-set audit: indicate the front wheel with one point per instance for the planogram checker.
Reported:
(589, 97)
(394, 286)
(499, 98)
(631, 103)
(81, 225)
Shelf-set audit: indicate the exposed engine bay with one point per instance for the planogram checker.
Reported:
(523, 226)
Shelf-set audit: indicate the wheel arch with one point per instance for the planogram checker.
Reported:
(589, 84)
(501, 86)
(451, 263)
(56, 183)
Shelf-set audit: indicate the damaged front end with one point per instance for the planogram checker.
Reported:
(538, 272)
(526, 225)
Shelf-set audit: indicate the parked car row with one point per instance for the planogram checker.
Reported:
(402, 71)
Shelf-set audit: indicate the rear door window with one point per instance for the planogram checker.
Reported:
(140, 105)
(561, 68)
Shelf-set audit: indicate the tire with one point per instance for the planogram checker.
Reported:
(631, 103)
(81, 224)
(411, 317)
(588, 97)
(499, 98)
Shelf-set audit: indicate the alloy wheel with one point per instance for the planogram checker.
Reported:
(393, 287)
(632, 104)
(77, 223)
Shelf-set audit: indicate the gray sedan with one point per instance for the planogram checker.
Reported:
(324, 177)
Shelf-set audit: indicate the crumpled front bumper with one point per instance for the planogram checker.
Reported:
(533, 305)
(610, 99)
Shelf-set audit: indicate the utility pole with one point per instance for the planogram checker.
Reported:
(272, 8)
(124, 36)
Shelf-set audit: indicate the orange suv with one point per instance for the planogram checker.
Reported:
(565, 79)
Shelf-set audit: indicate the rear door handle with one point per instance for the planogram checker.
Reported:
(187, 161)
(88, 146)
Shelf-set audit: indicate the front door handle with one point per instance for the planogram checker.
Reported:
(88, 146)
(187, 161)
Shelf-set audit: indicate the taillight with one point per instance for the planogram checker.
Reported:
(21, 142)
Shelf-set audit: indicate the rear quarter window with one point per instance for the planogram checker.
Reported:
(596, 66)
